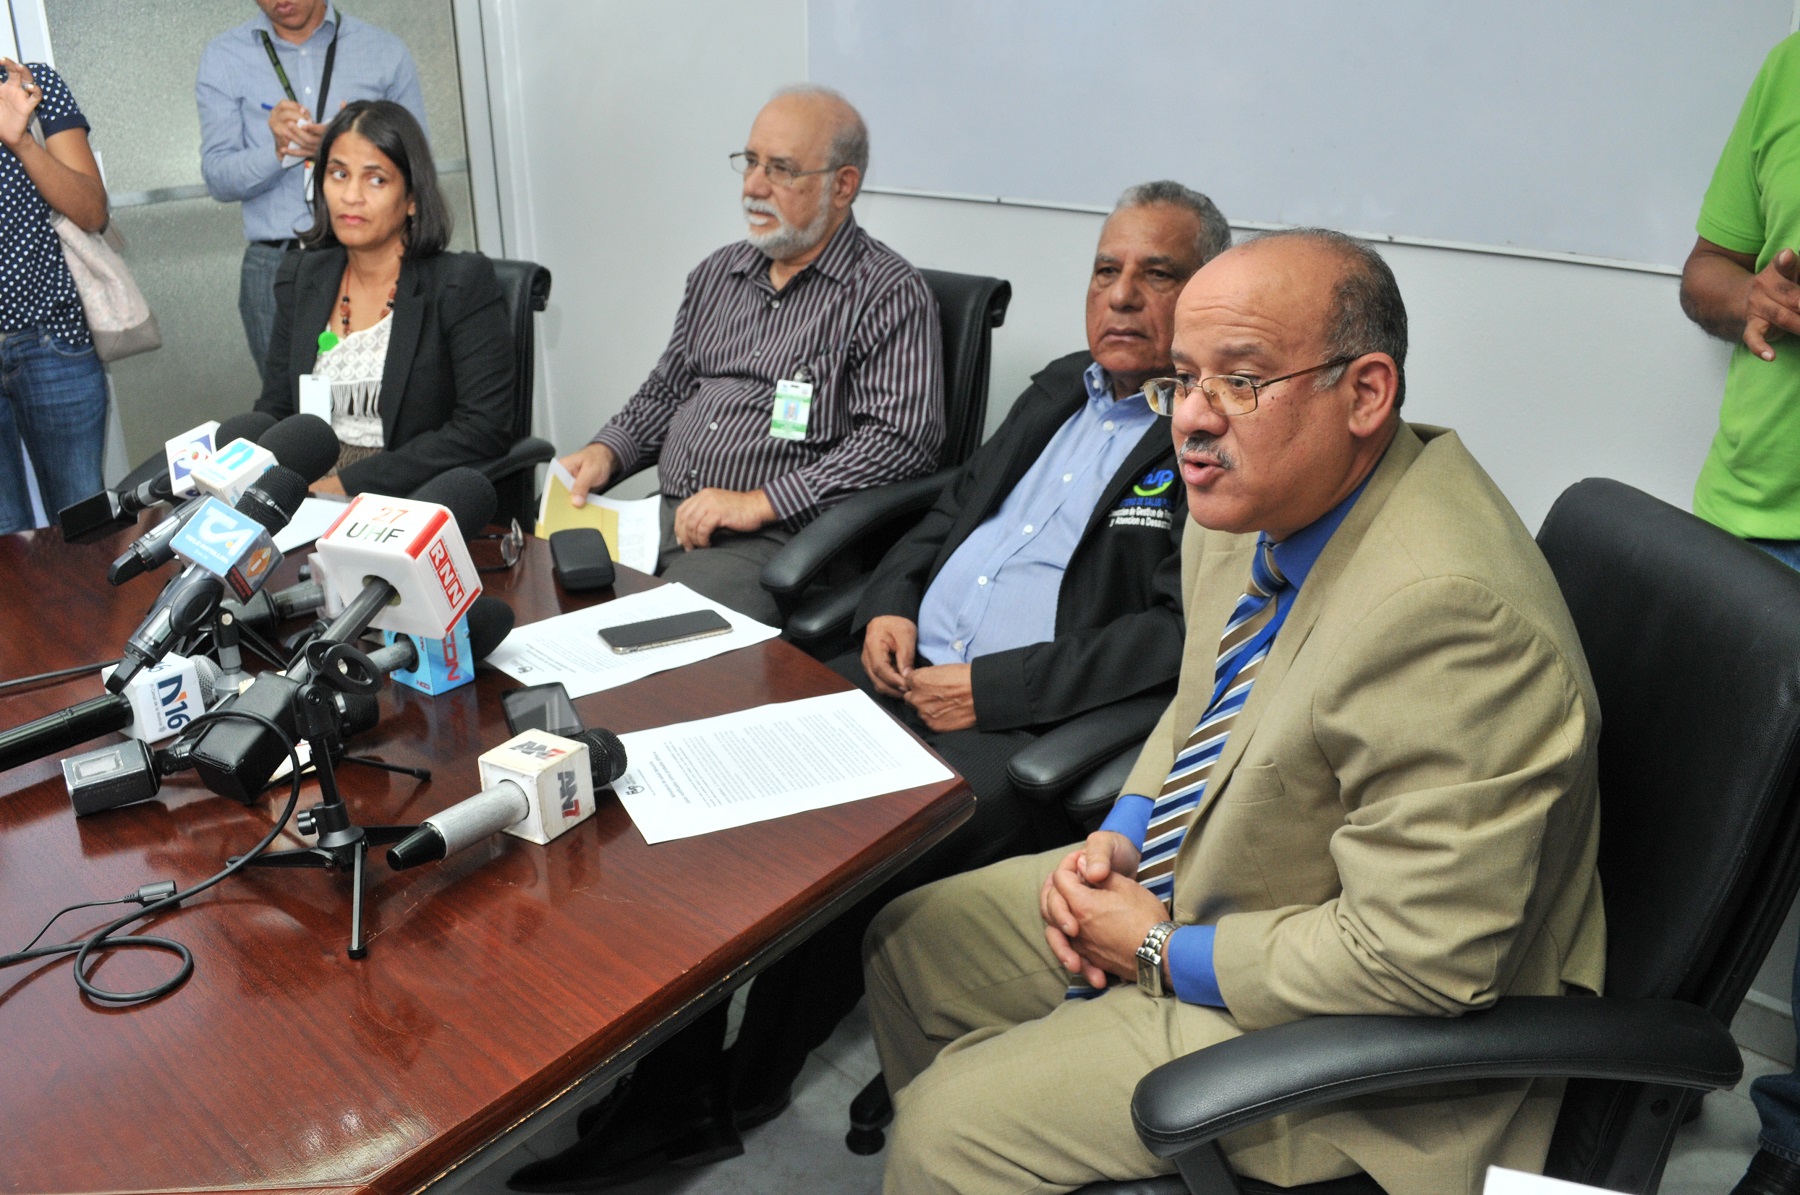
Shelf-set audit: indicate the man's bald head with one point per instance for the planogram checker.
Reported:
(1289, 347)
(1367, 314)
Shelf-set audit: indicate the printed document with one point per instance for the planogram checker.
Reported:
(568, 648)
(632, 529)
(696, 777)
(313, 519)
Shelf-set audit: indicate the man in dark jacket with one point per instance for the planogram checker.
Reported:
(1045, 582)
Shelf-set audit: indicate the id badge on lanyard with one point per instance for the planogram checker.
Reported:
(793, 406)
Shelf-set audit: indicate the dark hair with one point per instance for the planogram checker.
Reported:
(392, 130)
(1367, 314)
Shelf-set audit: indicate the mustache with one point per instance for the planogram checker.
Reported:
(761, 207)
(1200, 444)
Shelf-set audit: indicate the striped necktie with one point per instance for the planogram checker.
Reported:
(1242, 649)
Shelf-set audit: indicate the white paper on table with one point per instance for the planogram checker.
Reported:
(1501, 1181)
(632, 528)
(308, 523)
(768, 762)
(567, 648)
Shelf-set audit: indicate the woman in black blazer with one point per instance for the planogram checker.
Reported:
(415, 340)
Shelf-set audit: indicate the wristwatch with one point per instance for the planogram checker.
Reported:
(1150, 958)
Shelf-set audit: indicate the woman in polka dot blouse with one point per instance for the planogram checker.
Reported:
(52, 386)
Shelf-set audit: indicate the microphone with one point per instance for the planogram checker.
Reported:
(267, 609)
(425, 549)
(132, 771)
(434, 666)
(536, 785)
(155, 481)
(416, 573)
(157, 703)
(301, 443)
(223, 546)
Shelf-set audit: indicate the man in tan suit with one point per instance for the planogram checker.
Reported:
(1373, 793)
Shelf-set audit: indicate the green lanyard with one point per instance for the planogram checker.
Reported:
(325, 76)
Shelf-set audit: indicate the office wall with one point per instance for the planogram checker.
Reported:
(612, 122)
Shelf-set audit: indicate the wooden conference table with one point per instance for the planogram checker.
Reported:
(508, 978)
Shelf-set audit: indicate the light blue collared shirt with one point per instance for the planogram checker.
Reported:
(237, 151)
(1190, 949)
(999, 588)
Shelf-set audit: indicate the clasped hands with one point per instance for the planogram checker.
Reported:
(1095, 913)
(943, 695)
(696, 519)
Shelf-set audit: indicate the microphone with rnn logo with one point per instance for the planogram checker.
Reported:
(536, 785)
(400, 564)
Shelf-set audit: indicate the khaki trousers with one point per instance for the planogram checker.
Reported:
(999, 1083)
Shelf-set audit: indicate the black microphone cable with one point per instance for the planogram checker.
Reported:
(102, 939)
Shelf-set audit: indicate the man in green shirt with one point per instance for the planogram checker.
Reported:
(1742, 284)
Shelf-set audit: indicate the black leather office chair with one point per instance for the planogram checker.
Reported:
(527, 288)
(820, 576)
(1694, 642)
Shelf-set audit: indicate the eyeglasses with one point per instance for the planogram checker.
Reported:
(509, 543)
(780, 175)
(1229, 393)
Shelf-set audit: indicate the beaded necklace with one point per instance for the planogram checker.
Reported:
(328, 339)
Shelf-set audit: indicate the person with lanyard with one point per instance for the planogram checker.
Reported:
(52, 386)
(407, 347)
(266, 91)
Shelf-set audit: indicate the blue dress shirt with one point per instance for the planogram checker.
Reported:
(1189, 949)
(999, 588)
(237, 151)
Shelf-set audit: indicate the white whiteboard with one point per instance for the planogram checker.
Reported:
(1572, 126)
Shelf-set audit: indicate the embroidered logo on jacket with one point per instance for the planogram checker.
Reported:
(1150, 503)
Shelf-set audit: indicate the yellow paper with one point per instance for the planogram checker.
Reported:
(555, 513)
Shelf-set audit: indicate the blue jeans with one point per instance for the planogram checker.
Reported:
(53, 396)
(256, 298)
(1777, 1097)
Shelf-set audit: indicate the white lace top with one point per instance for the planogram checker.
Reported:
(354, 366)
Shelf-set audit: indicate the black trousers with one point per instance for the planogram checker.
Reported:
(797, 1001)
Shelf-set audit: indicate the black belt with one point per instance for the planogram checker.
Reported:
(290, 243)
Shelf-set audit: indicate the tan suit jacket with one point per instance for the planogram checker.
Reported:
(1405, 817)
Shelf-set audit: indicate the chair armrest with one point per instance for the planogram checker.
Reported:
(1237, 1083)
(1060, 759)
(526, 454)
(795, 566)
(822, 615)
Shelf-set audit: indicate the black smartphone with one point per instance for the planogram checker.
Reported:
(660, 632)
(541, 707)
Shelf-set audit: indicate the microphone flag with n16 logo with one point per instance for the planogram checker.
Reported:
(185, 451)
(417, 548)
(555, 774)
(230, 545)
(227, 473)
(164, 698)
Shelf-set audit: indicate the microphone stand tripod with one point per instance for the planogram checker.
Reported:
(342, 844)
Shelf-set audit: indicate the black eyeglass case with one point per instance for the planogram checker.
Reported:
(580, 559)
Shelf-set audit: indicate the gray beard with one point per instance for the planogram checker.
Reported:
(786, 241)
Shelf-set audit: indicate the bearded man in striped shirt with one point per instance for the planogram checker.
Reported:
(806, 364)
